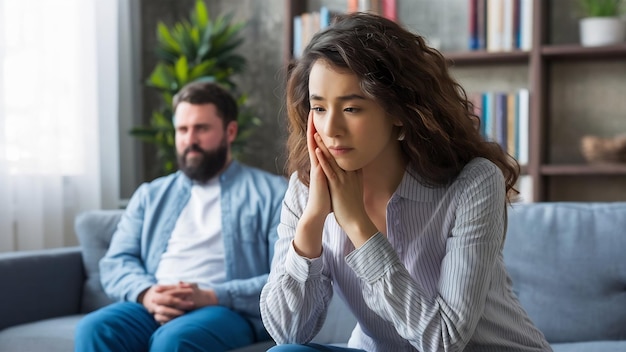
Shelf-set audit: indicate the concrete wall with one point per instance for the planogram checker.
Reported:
(264, 77)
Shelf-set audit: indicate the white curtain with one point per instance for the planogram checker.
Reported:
(58, 111)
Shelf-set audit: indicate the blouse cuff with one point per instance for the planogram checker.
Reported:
(373, 259)
(301, 268)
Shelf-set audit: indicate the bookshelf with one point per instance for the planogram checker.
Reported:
(555, 175)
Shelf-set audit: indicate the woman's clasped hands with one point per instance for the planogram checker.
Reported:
(333, 189)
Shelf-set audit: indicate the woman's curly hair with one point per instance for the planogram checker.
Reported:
(412, 83)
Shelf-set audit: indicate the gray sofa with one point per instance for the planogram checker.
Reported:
(45, 292)
(567, 262)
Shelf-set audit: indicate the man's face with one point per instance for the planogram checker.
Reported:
(202, 142)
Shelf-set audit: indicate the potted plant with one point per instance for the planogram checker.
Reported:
(601, 23)
(194, 49)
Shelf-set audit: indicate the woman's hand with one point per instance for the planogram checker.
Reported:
(308, 238)
(318, 205)
(346, 196)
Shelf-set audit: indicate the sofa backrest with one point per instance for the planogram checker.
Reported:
(94, 229)
(567, 262)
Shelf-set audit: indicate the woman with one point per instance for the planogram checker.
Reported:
(395, 201)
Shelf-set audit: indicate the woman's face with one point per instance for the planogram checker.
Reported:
(355, 128)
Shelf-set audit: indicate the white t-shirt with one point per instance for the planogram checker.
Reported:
(195, 251)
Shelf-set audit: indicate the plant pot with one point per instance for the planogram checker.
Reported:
(597, 31)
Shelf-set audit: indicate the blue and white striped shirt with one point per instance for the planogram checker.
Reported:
(435, 282)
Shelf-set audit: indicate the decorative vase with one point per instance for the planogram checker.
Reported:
(597, 31)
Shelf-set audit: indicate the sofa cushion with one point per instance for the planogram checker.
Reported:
(50, 335)
(596, 346)
(94, 230)
(257, 347)
(338, 325)
(568, 266)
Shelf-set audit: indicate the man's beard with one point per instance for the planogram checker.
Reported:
(206, 166)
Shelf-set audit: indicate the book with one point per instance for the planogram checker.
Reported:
(327, 17)
(523, 126)
(481, 24)
(297, 37)
(511, 127)
(364, 5)
(501, 119)
(526, 24)
(390, 9)
(507, 25)
(488, 116)
(353, 6)
(494, 25)
(516, 24)
(473, 25)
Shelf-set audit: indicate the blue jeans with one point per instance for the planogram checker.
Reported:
(129, 327)
(311, 347)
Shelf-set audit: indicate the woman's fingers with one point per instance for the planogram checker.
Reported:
(326, 160)
(310, 139)
(330, 173)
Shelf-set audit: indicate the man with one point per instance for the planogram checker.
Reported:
(193, 249)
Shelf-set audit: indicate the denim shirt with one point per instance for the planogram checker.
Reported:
(251, 201)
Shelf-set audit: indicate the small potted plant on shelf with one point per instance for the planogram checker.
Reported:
(601, 23)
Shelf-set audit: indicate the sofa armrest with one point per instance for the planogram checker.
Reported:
(40, 284)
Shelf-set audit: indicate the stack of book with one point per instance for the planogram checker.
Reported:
(307, 24)
(504, 119)
(500, 25)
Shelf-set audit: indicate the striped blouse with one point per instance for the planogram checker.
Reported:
(435, 282)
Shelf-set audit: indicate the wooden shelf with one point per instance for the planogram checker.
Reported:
(550, 52)
(607, 169)
(577, 52)
(466, 58)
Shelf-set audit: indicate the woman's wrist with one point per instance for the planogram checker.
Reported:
(360, 232)
(308, 239)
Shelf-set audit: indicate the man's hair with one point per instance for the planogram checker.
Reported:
(199, 93)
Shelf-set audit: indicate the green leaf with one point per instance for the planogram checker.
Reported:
(205, 42)
(183, 37)
(601, 8)
(226, 47)
(162, 122)
(201, 15)
(236, 63)
(168, 97)
(194, 34)
(205, 68)
(145, 134)
(221, 38)
(167, 56)
(165, 39)
(241, 100)
(182, 70)
(163, 77)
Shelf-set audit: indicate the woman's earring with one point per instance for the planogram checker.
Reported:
(401, 135)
